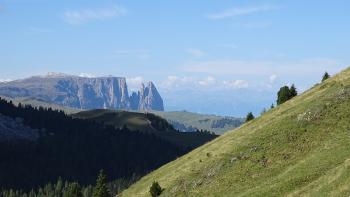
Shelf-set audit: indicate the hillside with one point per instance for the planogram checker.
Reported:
(147, 123)
(189, 121)
(41, 103)
(39, 145)
(181, 120)
(300, 148)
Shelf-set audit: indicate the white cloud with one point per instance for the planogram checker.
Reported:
(134, 83)
(5, 80)
(195, 52)
(236, 84)
(199, 84)
(241, 11)
(85, 15)
(176, 81)
(207, 81)
(273, 79)
(87, 75)
(304, 67)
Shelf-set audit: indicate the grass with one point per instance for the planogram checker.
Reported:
(300, 148)
(118, 118)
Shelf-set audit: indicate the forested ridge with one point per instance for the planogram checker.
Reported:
(75, 150)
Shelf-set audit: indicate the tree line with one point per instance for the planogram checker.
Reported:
(75, 150)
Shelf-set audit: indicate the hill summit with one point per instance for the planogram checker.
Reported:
(84, 92)
(299, 148)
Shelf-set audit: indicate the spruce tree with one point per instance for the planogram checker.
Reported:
(293, 91)
(73, 190)
(283, 95)
(325, 76)
(155, 189)
(101, 189)
(249, 117)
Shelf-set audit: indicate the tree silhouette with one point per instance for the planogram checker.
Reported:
(293, 91)
(325, 76)
(101, 189)
(249, 117)
(155, 189)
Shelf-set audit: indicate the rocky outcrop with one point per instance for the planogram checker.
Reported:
(84, 93)
(149, 98)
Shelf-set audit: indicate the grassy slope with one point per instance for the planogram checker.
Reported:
(133, 120)
(301, 148)
(200, 121)
(139, 121)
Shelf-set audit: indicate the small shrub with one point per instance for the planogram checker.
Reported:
(155, 189)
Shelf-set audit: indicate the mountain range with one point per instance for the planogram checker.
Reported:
(84, 93)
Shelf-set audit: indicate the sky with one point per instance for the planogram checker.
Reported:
(225, 57)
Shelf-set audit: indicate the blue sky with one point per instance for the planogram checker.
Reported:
(209, 56)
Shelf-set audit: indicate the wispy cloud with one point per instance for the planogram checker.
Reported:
(263, 67)
(273, 78)
(87, 75)
(195, 52)
(201, 83)
(134, 83)
(236, 84)
(40, 30)
(85, 15)
(241, 11)
(139, 53)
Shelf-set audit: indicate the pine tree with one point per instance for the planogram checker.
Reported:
(249, 117)
(155, 189)
(283, 95)
(73, 190)
(325, 76)
(101, 189)
(293, 91)
(272, 106)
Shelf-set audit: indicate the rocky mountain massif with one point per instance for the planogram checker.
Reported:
(84, 93)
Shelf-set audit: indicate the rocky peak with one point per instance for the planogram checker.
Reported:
(84, 92)
(150, 98)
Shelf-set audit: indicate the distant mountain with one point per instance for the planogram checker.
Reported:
(189, 121)
(84, 93)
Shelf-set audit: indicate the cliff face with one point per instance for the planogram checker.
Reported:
(84, 93)
(150, 98)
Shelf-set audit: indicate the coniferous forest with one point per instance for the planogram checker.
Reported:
(75, 150)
